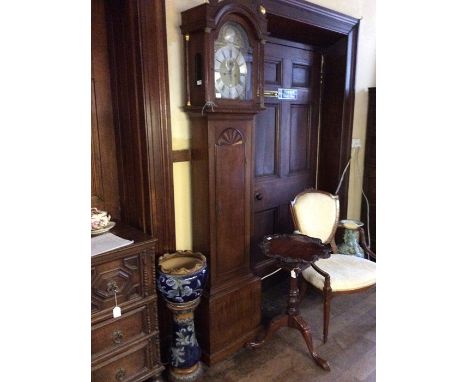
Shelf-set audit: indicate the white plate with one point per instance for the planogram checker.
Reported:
(102, 230)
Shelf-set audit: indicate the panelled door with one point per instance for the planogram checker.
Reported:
(285, 141)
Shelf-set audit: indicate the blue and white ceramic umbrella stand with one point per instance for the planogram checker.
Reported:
(181, 278)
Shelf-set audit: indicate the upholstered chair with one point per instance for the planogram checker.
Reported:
(315, 214)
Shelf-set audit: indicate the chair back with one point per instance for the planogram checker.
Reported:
(315, 214)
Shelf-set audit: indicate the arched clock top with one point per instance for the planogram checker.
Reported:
(253, 18)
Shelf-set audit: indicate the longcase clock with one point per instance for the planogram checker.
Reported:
(224, 43)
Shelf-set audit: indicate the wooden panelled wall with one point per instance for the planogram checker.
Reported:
(131, 132)
(131, 135)
(140, 89)
(104, 180)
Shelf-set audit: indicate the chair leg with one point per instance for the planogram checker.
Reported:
(326, 313)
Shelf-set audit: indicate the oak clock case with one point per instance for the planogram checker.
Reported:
(224, 91)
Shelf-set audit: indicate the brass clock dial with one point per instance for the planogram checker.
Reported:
(231, 70)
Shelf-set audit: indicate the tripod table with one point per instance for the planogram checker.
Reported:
(293, 253)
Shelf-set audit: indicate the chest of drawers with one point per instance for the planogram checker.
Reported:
(125, 349)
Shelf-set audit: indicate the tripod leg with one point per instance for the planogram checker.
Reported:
(273, 326)
(300, 324)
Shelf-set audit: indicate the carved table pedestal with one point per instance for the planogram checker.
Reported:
(293, 253)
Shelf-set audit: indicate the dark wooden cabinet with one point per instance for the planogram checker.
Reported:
(125, 348)
(369, 179)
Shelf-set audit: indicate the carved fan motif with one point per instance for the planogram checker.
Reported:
(229, 137)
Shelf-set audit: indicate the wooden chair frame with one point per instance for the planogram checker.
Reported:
(327, 293)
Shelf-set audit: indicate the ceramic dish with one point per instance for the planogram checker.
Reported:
(103, 230)
(350, 223)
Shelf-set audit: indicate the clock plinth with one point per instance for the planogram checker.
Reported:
(229, 319)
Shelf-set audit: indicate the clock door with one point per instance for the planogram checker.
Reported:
(233, 57)
(285, 141)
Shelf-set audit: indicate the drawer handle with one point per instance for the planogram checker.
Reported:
(120, 375)
(258, 196)
(112, 287)
(117, 336)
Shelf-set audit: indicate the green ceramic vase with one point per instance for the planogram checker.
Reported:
(350, 245)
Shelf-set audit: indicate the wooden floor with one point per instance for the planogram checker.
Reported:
(350, 349)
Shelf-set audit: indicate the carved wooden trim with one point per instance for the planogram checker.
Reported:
(145, 274)
(309, 13)
(97, 189)
(149, 330)
(348, 115)
(230, 137)
(153, 40)
(131, 262)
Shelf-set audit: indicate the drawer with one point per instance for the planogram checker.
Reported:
(125, 367)
(129, 278)
(118, 332)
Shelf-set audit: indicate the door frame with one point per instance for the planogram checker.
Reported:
(333, 153)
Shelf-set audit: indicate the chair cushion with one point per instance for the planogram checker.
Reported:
(346, 273)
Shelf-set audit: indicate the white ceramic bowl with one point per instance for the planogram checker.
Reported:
(99, 219)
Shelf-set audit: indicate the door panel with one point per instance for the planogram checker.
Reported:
(272, 71)
(265, 221)
(266, 134)
(299, 138)
(285, 146)
(300, 75)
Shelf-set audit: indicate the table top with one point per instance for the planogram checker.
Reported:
(140, 239)
(294, 248)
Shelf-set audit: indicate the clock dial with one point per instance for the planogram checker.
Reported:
(231, 70)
